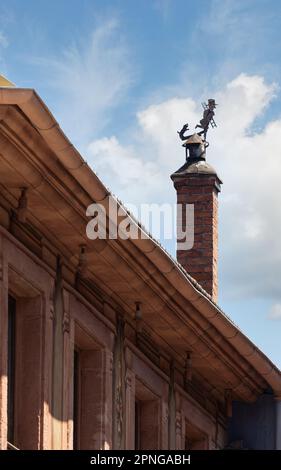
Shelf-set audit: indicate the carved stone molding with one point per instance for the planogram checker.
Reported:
(66, 316)
(119, 386)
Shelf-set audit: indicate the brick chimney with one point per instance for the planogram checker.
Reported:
(197, 183)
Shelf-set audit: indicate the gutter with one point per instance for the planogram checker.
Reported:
(41, 118)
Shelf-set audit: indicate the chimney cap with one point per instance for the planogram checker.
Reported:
(193, 139)
(192, 167)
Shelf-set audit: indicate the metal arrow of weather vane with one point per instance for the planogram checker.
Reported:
(199, 138)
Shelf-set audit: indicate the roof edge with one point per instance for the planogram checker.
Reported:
(42, 119)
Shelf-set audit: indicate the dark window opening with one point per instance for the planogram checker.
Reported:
(147, 418)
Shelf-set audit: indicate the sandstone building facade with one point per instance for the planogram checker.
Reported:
(111, 344)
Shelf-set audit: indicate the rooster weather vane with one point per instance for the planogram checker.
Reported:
(196, 143)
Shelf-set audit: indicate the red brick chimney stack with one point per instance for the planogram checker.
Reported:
(197, 183)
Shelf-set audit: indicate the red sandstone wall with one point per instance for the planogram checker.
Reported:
(40, 424)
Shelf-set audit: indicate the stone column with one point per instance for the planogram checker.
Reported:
(119, 387)
(62, 372)
(107, 407)
(48, 365)
(69, 380)
(179, 429)
(164, 423)
(3, 347)
(58, 360)
(130, 410)
(67, 386)
(172, 411)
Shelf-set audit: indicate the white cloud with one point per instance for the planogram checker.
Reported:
(275, 312)
(139, 171)
(91, 78)
(248, 162)
(121, 162)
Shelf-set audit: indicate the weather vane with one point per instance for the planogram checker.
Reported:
(196, 143)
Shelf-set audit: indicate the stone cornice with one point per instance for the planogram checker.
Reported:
(67, 185)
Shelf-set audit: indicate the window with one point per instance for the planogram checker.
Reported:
(89, 394)
(147, 419)
(24, 366)
(25, 338)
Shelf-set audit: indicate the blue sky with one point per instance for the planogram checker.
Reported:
(122, 76)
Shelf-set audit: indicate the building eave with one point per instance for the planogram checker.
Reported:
(35, 110)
